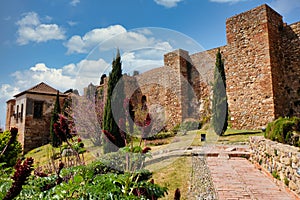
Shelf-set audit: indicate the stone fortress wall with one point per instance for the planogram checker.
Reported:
(262, 63)
(262, 66)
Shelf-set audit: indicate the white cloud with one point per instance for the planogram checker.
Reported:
(284, 6)
(168, 3)
(114, 37)
(74, 2)
(78, 44)
(76, 76)
(132, 61)
(30, 29)
(41, 73)
(8, 91)
(64, 78)
(88, 71)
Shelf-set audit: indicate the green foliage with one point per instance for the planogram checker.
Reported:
(219, 102)
(5, 180)
(286, 181)
(55, 141)
(275, 174)
(13, 151)
(126, 159)
(282, 130)
(94, 181)
(176, 129)
(161, 135)
(114, 98)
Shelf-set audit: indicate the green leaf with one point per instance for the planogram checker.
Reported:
(78, 178)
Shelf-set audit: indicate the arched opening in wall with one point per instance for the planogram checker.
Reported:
(144, 102)
(144, 99)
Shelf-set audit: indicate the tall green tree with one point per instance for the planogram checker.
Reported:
(219, 102)
(114, 101)
(55, 141)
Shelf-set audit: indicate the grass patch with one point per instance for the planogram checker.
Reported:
(43, 154)
(232, 136)
(175, 175)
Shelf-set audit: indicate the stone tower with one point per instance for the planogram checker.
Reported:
(256, 69)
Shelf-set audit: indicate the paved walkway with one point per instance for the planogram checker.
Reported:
(238, 179)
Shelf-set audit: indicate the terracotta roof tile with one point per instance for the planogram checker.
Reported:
(41, 88)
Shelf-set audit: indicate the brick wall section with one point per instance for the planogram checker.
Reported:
(9, 113)
(162, 87)
(33, 132)
(276, 52)
(248, 70)
(262, 66)
(291, 51)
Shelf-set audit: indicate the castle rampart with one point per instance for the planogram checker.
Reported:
(262, 73)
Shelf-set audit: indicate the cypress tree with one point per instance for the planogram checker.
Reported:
(219, 102)
(55, 141)
(116, 98)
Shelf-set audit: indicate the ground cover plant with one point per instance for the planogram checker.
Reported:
(284, 130)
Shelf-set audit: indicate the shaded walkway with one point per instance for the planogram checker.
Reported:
(238, 179)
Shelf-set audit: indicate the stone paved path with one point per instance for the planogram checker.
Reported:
(238, 179)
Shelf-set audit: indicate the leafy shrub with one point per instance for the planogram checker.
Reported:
(157, 142)
(94, 181)
(282, 130)
(176, 129)
(161, 135)
(13, 151)
(5, 181)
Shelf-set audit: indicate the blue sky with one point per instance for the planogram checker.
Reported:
(52, 40)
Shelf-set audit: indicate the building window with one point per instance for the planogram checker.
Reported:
(38, 109)
(22, 108)
(17, 114)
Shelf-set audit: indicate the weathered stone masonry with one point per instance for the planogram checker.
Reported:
(262, 59)
(278, 159)
(262, 67)
(31, 112)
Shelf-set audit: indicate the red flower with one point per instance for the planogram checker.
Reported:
(147, 122)
(79, 140)
(61, 166)
(177, 194)
(20, 177)
(40, 174)
(146, 150)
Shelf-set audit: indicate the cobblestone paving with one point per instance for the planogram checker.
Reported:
(238, 179)
(201, 185)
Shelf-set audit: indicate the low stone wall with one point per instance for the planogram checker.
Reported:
(282, 161)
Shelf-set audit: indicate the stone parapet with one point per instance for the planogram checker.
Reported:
(281, 160)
